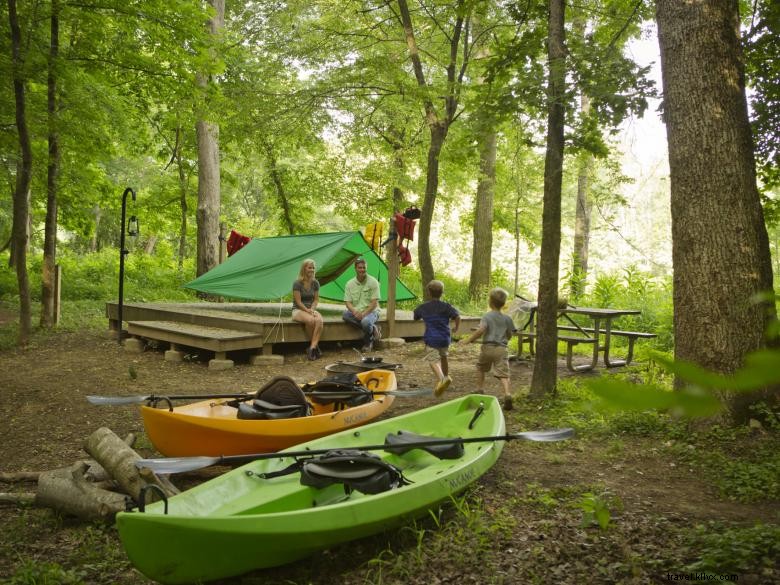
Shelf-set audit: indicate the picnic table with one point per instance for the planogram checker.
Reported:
(598, 334)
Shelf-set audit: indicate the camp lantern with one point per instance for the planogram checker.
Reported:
(132, 226)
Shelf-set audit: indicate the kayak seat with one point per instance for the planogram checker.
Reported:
(356, 470)
(404, 441)
(343, 390)
(262, 410)
(278, 399)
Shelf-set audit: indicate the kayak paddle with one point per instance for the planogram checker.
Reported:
(140, 399)
(168, 465)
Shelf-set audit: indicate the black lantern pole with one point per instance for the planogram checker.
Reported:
(122, 254)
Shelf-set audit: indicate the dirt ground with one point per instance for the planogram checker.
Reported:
(535, 532)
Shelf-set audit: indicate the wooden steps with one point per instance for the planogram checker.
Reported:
(214, 339)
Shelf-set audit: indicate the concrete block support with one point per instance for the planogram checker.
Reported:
(389, 342)
(134, 345)
(216, 364)
(266, 360)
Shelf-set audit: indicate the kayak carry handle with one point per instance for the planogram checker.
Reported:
(154, 488)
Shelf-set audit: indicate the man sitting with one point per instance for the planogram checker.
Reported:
(361, 296)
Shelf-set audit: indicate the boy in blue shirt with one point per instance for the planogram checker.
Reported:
(436, 314)
(497, 329)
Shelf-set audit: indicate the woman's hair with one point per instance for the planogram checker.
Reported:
(302, 271)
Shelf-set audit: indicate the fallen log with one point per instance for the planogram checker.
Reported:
(17, 498)
(11, 477)
(68, 491)
(118, 459)
(96, 472)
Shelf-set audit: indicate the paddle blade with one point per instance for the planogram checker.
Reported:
(545, 436)
(117, 400)
(406, 393)
(167, 465)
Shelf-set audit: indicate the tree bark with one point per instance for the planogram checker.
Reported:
(208, 168)
(481, 254)
(281, 194)
(720, 247)
(94, 243)
(52, 175)
(21, 202)
(545, 374)
(579, 268)
(182, 200)
(579, 261)
(118, 459)
(68, 491)
(438, 124)
(438, 134)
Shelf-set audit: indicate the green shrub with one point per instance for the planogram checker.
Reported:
(735, 550)
(42, 573)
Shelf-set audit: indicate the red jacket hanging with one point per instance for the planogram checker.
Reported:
(235, 242)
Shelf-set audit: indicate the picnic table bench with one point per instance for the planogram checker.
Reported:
(598, 336)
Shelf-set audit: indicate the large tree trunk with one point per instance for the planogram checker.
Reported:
(481, 254)
(545, 373)
(720, 247)
(21, 203)
(438, 134)
(438, 124)
(208, 170)
(53, 169)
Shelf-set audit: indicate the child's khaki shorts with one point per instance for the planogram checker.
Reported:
(434, 354)
(495, 357)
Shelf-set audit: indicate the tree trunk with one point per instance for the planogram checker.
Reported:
(438, 124)
(281, 194)
(208, 169)
(21, 202)
(579, 268)
(481, 255)
(545, 372)
(182, 200)
(53, 169)
(720, 247)
(438, 134)
(94, 243)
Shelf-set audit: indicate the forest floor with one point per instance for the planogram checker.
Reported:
(521, 523)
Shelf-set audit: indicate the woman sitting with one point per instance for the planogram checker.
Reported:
(306, 297)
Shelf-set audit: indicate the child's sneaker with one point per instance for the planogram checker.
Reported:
(443, 384)
(508, 403)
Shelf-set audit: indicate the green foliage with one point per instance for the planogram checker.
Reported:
(34, 572)
(596, 509)
(762, 55)
(704, 393)
(96, 276)
(734, 550)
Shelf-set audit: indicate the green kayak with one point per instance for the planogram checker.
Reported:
(245, 520)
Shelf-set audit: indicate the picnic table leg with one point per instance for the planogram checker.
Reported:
(612, 363)
(615, 363)
(594, 360)
(581, 367)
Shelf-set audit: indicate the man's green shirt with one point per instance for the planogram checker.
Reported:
(361, 294)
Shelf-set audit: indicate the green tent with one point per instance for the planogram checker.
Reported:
(265, 268)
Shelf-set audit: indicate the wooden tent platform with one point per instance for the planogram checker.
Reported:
(225, 327)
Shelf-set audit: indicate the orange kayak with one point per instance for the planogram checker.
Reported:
(212, 427)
